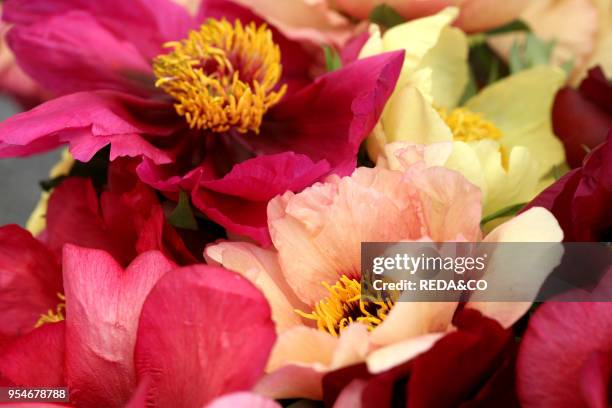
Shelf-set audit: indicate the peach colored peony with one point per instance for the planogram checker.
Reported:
(317, 236)
(580, 28)
(334, 22)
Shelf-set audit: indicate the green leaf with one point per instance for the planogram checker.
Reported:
(513, 26)
(386, 16)
(568, 66)
(182, 216)
(532, 52)
(504, 212)
(332, 59)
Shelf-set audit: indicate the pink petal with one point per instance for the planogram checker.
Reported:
(73, 217)
(71, 63)
(89, 120)
(557, 350)
(238, 200)
(35, 359)
(146, 23)
(103, 303)
(243, 399)
(346, 104)
(31, 279)
(203, 332)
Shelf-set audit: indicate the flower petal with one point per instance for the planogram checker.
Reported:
(260, 266)
(243, 399)
(197, 321)
(146, 23)
(239, 199)
(30, 281)
(557, 350)
(346, 104)
(89, 120)
(520, 107)
(35, 359)
(72, 64)
(103, 303)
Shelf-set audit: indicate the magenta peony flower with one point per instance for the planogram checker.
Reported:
(151, 333)
(565, 359)
(580, 200)
(226, 111)
(582, 117)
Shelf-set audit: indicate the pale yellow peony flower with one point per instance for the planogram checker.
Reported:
(502, 137)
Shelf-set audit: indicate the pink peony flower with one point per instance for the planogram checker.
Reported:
(235, 139)
(13, 81)
(126, 221)
(317, 236)
(151, 334)
(565, 359)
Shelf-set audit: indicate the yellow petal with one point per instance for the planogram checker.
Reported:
(408, 116)
(448, 62)
(481, 162)
(417, 38)
(520, 106)
(374, 45)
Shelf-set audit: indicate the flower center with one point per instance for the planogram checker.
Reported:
(222, 76)
(53, 316)
(468, 126)
(344, 306)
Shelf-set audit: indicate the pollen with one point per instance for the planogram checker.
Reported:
(53, 316)
(344, 306)
(468, 126)
(223, 76)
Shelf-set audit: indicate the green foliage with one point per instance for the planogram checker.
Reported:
(386, 16)
(332, 58)
(530, 53)
(504, 212)
(182, 216)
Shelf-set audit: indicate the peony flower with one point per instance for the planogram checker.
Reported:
(314, 268)
(579, 28)
(234, 131)
(335, 22)
(317, 22)
(150, 334)
(564, 358)
(472, 366)
(126, 221)
(13, 81)
(580, 200)
(503, 138)
(475, 15)
(582, 117)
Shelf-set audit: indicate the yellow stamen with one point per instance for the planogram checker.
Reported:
(344, 306)
(468, 126)
(53, 316)
(222, 76)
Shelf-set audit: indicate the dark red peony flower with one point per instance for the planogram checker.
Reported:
(471, 367)
(227, 111)
(582, 117)
(580, 200)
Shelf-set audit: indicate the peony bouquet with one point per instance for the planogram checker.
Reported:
(228, 167)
